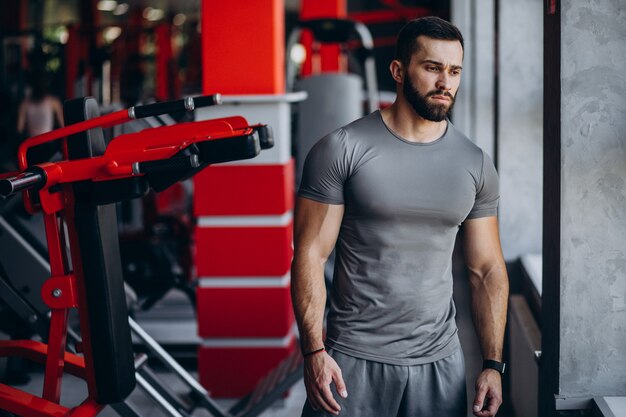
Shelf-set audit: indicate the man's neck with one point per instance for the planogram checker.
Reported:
(403, 120)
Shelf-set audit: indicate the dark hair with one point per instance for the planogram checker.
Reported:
(432, 27)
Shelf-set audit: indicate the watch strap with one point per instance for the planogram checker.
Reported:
(491, 364)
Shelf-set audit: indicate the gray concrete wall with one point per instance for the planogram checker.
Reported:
(593, 199)
(484, 75)
(461, 17)
(474, 108)
(520, 121)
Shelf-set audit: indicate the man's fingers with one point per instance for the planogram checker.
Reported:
(311, 399)
(490, 409)
(327, 395)
(313, 406)
(318, 401)
(479, 400)
(492, 406)
(340, 385)
(322, 404)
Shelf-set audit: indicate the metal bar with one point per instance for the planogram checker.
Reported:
(19, 305)
(55, 356)
(28, 405)
(165, 406)
(165, 357)
(198, 390)
(256, 409)
(291, 70)
(110, 119)
(125, 409)
(289, 368)
(370, 67)
(9, 186)
(54, 245)
(58, 322)
(168, 394)
(88, 408)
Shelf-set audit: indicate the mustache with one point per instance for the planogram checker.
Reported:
(440, 93)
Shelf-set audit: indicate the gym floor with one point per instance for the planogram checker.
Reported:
(74, 390)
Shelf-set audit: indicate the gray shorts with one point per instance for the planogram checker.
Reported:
(380, 390)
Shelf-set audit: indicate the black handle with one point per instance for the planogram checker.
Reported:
(185, 104)
(28, 179)
(206, 101)
(331, 30)
(171, 164)
(266, 136)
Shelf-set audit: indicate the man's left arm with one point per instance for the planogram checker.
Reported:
(490, 291)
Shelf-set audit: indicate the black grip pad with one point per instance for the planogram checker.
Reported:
(229, 149)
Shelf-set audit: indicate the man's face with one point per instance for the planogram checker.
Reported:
(432, 78)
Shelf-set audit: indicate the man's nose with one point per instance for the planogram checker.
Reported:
(443, 82)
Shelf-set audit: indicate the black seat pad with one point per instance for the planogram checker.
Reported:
(96, 227)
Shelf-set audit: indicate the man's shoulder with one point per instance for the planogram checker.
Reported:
(463, 143)
(362, 125)
(352, 134)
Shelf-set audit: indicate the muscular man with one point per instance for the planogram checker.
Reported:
(390, 191)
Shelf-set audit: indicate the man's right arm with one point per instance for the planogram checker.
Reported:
(315, 233)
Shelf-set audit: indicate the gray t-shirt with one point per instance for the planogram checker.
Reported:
(391, 299)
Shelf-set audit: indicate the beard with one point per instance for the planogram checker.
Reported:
(426, 110)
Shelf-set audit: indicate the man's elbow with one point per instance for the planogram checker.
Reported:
(489, 274)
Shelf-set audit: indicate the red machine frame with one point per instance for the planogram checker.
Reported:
(65, 288)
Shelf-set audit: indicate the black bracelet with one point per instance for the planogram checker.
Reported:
(304, 355)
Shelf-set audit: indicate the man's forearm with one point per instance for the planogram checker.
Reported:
(308, 293)
(490, 292)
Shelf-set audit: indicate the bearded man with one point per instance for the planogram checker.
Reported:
(390, 191)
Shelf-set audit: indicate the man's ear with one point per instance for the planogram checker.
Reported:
(397, 71)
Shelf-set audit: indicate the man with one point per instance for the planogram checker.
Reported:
(392, 190)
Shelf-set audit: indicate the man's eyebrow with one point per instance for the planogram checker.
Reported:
(430, 61)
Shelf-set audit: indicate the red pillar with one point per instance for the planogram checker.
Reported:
(163, 60)
(15, 18)
(131, 65)
(88, 38)
(243, 46)
(244, 209)
(72, 59)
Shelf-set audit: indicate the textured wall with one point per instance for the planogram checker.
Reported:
(473, 112)
(520, 144)
(593, 198)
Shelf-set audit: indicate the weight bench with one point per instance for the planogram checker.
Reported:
(77, 197)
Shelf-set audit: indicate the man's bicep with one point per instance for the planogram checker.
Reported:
(316, 226)
(481, 243)
(488, 194)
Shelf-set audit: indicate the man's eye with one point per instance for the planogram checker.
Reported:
(432, 68)
(456, 73)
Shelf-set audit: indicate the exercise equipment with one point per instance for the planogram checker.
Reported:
(334, 99)
(76, 196)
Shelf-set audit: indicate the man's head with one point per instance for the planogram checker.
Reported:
(427, 66)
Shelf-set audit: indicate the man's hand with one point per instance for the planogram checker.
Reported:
(488, 393)
(319, 371)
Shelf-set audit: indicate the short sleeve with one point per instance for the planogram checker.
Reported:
(326, 169)
(487, 193)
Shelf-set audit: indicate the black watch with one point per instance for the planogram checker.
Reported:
(498, 366)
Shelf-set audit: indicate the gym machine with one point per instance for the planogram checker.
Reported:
(77, 196)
